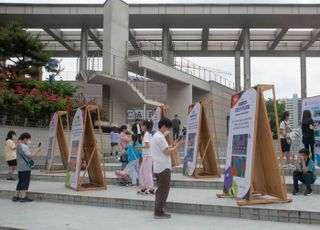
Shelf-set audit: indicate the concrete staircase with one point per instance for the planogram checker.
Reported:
(187, 196)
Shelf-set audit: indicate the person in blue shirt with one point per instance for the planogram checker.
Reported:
(134, 157)
(305, 172)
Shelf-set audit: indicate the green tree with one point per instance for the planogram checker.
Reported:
(20, 53)
(271, 113)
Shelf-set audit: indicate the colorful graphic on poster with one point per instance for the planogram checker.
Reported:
(155, 119)
(313, 104)
(191, 145)
(75, 150)
(51, 140)
(240, 143)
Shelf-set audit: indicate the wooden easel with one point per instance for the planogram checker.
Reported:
(266, 178)
(175, 158)
(60, 139)
(207, 159)
(90, 154)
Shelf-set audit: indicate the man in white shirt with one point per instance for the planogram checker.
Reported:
(161, 153)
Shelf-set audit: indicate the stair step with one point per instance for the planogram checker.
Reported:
(186, 201)
(177, 181)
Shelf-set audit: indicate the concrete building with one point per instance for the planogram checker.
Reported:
(151, 41)
(293, 105)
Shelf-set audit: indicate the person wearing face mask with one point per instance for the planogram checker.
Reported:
(24, 156)
(161, 153)
(10, 153)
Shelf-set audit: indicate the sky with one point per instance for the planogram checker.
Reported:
(284, 73)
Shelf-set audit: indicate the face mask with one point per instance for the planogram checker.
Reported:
(29, 142)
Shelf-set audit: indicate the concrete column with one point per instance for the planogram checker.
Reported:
(145, 82)
(303, 70)
(237, 76)
(246, 58)
(179, 97)
(167, 53)
(83, 49)
(144, 93)
(115, 37)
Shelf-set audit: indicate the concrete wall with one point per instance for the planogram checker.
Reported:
(90, 91)
(41, 135)
(178, 99)
(221, 97)
(156, 91)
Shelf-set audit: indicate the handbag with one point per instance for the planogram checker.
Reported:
(30, 162)
(124, 156)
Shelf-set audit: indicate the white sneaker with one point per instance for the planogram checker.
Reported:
(285, 166)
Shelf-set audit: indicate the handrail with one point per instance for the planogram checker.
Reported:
(154, 51)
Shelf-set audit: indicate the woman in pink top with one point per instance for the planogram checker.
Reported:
(124, 142)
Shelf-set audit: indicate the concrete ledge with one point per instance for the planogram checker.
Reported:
(187, 201)
(177, 181)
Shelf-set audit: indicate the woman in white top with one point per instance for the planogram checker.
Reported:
(10, 152)
(146, 177)
(285, 137)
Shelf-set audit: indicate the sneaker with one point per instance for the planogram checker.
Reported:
(151, 191)
(307, 193)
(162, 215)
(295, 192)
(26, 199)
(15, 198)
(142, 191)
(10, 179)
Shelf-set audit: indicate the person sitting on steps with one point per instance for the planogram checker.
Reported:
(305, 172)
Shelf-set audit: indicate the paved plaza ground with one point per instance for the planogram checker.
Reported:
(43, 215)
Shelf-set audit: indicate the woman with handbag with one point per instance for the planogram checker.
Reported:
(285, 138)
(25, 164)
(124, 141)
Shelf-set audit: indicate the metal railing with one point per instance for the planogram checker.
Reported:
(203, 73)
(154, 51)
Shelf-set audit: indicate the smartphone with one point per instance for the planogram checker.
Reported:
(39, 144)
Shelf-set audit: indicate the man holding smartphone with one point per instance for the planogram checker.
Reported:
(161, 153)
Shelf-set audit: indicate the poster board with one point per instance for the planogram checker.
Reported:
(313, 104)
(200, 158)
(251, 164)
(56, 136)
(160, 112)
(84, 152)
(157, 115)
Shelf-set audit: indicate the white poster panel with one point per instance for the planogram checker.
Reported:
(155, 119)
(313, 104)
(75, 150)
(51, 140)
(240, 144)
(191, 145)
